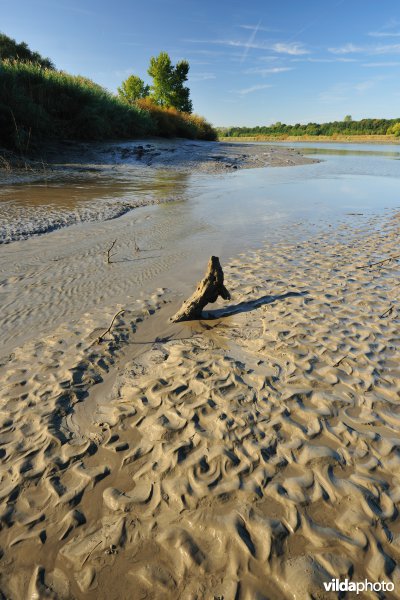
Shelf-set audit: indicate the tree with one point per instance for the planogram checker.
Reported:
(182, 93)
(10, 49)
(395, 129)
(132, 89)
(167, 88)
(347, 119)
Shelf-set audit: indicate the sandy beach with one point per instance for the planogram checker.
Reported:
(252, 454)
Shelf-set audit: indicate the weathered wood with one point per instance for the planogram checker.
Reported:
(208, 290)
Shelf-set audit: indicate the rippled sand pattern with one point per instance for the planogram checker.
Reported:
(256, 459)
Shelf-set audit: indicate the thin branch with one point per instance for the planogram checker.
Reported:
(108, 252)
(101, 337)
(379, 262)
(339, 361)
(387, 312)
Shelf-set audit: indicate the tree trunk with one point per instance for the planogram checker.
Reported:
(208, 290)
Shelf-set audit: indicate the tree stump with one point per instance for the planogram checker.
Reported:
(208, 290)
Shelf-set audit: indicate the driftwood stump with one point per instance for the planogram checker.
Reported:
(208, 290)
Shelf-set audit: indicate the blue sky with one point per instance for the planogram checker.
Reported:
(252, 62)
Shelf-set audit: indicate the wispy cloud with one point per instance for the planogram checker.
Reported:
(390, 29)
(381, 64)
(202, 76)
(254, 88)
(265, 72)
(346, 49)
(343, 91)
(250, 41)
(352, 48)
(259, 28)
(384, 34)
(341, 59)
(292, 48)
(388, 49)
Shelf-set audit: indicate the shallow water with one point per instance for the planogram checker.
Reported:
(50, 279)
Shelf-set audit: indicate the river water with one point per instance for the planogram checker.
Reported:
(55, 231)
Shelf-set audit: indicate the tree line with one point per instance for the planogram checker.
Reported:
(345, 127)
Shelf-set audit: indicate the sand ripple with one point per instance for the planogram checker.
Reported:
(256, 459)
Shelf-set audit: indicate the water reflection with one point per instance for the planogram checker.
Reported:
(330, 148)
(42, 206)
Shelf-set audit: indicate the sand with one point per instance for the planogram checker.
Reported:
(252, 454)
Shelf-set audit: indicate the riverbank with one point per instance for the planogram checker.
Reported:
(233, 455)
(69, 158)
(336, 138)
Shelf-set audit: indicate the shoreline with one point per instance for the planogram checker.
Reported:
(192, 156)
(337, 139)
(217, 455)
(109, 169)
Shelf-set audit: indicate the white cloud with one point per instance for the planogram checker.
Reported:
(341, 59)
(259, 28)
(381, 64)
(388, 49)
(292, 48)
(201, 76)
(346, 49)
(272, 70)
(371, 50)
(254, 88)
(384, 34)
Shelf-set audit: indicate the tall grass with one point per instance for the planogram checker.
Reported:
(171, 122)
(38, 104)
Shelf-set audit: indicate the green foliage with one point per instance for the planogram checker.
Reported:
(38, 104)
(171, 122)
(168, 87)
(10, 49)
(181, 93)
(394, 129)
(133, 89)
(345, 127)
(347, 119)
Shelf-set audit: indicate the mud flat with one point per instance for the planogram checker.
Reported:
(70, 158)
(252, 454)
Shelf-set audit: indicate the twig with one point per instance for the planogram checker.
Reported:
(108, 252)
(379, 262)
(339, 361)
(387, 312)
(101, 337)
(137, 249)
(91, 552)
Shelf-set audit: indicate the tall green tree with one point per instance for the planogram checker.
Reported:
(168, 87)
(11, 49)
(181, 92)
(132, 89)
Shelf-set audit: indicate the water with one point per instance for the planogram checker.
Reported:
(54, 267)
(351, 177)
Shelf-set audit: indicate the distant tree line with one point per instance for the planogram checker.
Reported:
(345, 127)
(167, 88)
